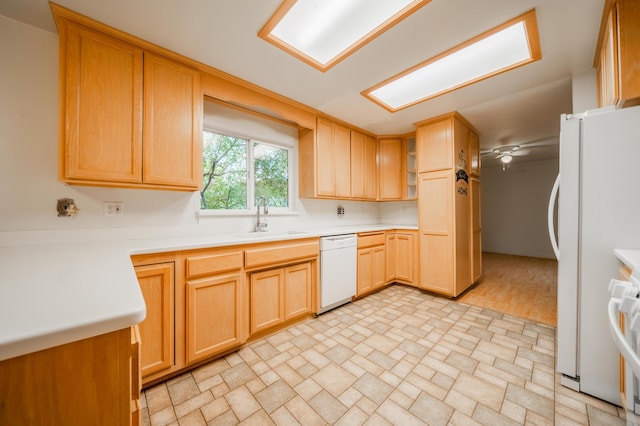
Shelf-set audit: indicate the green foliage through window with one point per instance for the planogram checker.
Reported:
(229, 163)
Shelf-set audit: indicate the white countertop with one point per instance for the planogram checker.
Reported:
(58, 287)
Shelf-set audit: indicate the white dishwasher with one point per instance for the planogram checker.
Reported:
(338, 257)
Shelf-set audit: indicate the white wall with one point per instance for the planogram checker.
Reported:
(29, 188)
(584, 88)
(514, 208)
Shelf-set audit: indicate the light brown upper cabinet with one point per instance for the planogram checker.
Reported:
(617, 61)
(325, 161)
(390, 169)
(128, 117)
(397, 172)
(364, 176)
(172, 137)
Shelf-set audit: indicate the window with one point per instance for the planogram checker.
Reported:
(237, 171)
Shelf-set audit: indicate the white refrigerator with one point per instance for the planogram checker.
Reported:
(598, 211)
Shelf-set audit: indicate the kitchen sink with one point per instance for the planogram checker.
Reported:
(269, 234)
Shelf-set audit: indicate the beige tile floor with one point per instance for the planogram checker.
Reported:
(400, 356)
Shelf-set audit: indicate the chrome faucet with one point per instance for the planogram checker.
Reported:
(261, 223)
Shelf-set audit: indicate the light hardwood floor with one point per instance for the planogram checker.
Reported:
(525, 287)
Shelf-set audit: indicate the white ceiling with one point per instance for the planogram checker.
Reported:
(520, 106)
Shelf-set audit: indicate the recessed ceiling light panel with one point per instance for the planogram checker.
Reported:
(508, 46)
(324, 32)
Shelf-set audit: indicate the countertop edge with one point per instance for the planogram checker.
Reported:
(38, 343)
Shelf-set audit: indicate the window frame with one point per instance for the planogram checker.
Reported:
(251, 207)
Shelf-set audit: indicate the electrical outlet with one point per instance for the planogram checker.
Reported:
(113, 208)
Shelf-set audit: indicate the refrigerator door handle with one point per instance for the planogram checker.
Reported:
(552, 206)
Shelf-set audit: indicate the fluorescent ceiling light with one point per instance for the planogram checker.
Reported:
(324, 32)
(508, 46)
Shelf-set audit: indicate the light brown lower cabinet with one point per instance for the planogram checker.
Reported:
(401, 254)
(206, 302)
(371, 262)
(91, 381)
(213, 302)
(297, 290)
(267, 307)
(157, 283)
(213, 316)
(279, 294)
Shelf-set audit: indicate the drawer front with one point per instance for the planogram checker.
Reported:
(370, 239)
(210, 264)
(280, 253)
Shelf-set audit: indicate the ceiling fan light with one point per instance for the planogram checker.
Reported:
(506, 158)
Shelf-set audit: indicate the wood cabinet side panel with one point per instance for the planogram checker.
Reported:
(476, 230)
(71, 384)
(607, 64)
(628, 22)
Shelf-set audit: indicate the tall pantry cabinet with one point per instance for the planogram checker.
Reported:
(447, 150)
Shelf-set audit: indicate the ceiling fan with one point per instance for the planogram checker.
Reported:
(506, 153)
